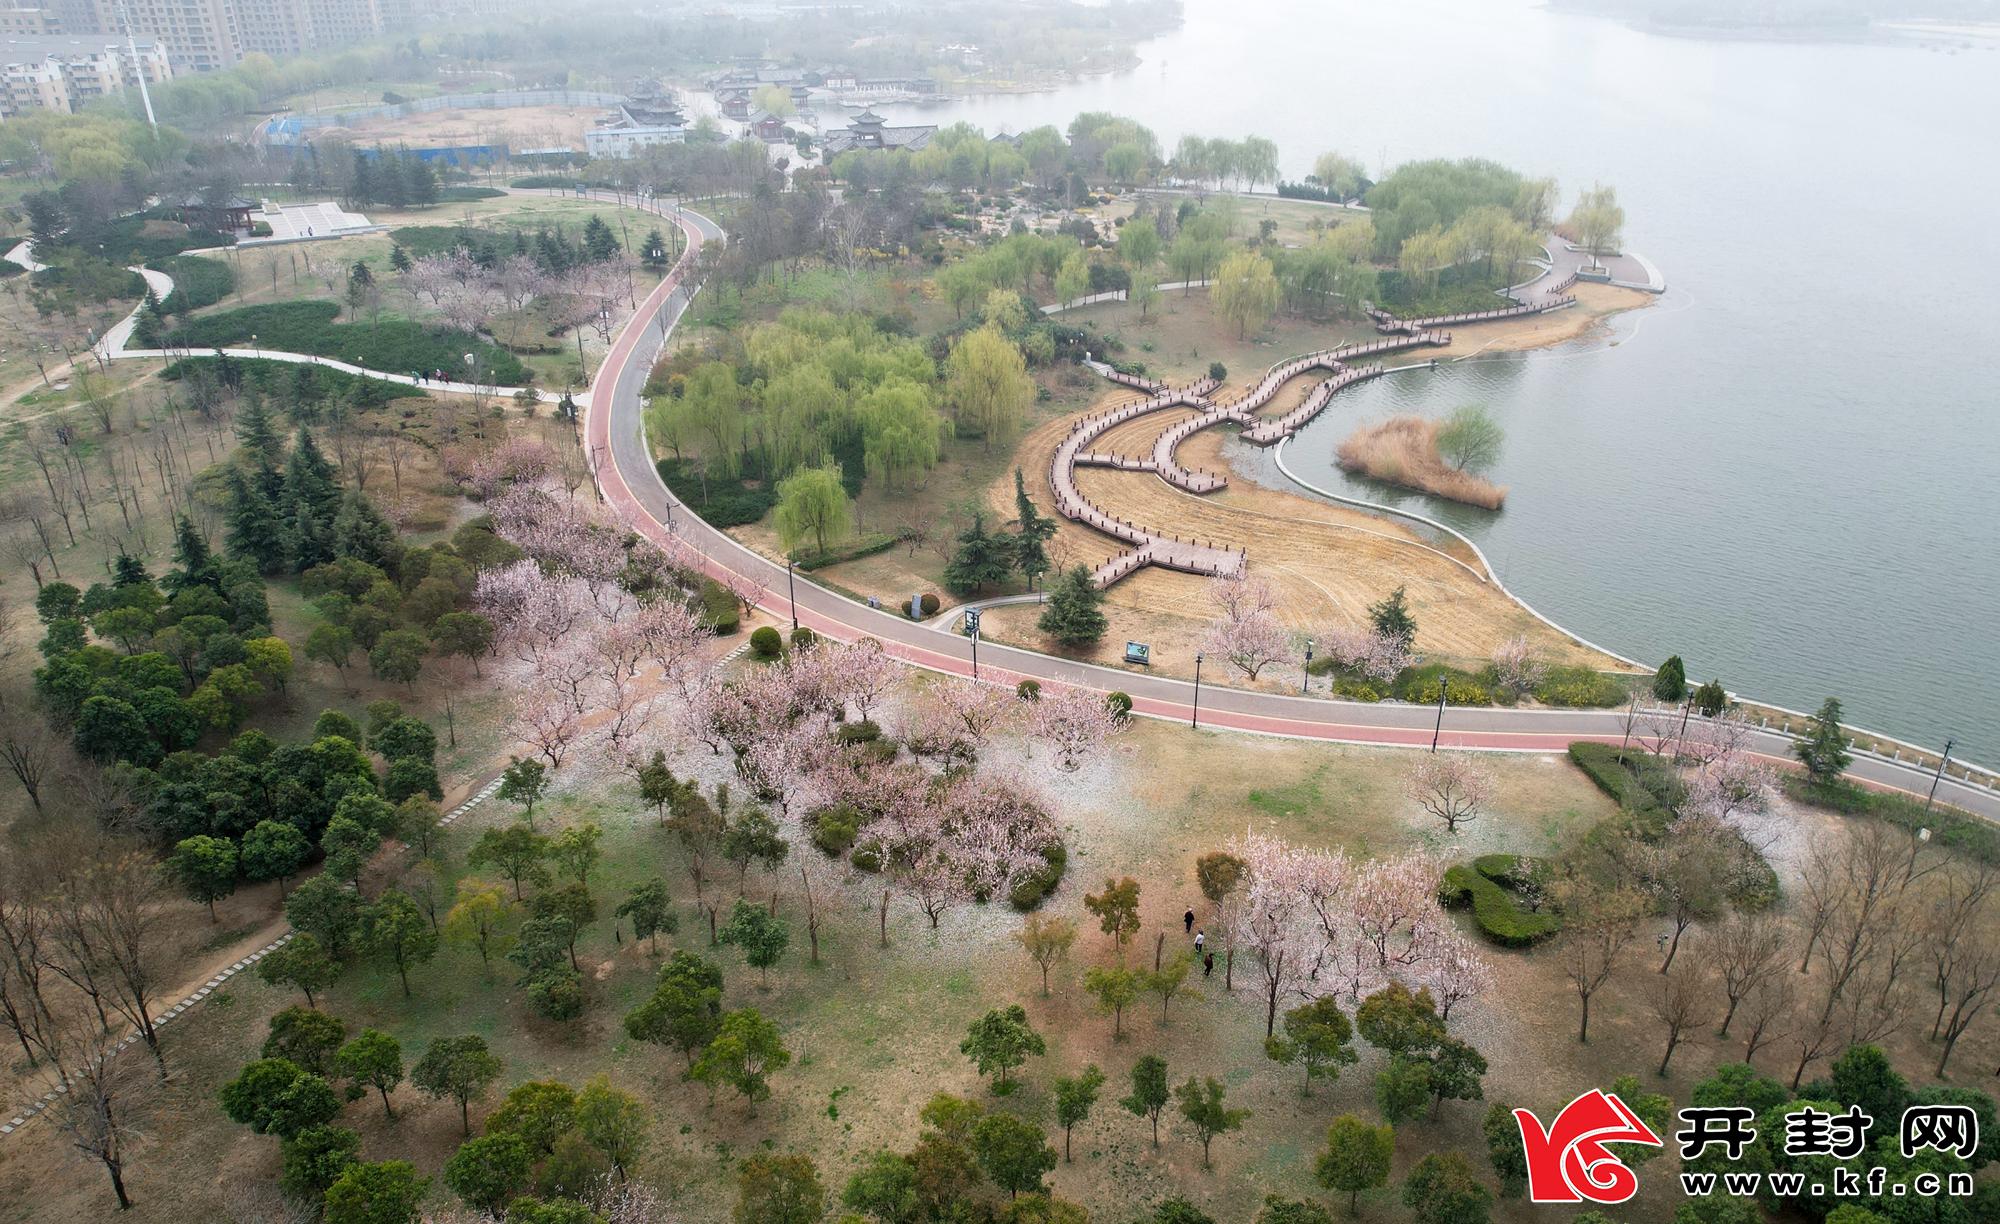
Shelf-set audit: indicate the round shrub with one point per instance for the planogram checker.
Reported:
(867, 731)
(1119, 703)
(557, 994)
(1030, 888)
(1217, 371)
(1028, 690)
(929, 604)
(767, 643)
(803, 638)
(867, 857)
(1357, 690)
(834, 829)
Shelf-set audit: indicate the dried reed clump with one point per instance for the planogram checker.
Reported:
(1403, 451)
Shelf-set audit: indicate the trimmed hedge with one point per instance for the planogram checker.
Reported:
(719, 609)
(1579, 688)
(1031, 888)
(1484, 884)
(766, 643)
(866, 546)
(1643, 784)
(1967, 835)
(394, 346)
(465, 195)
(198, 282)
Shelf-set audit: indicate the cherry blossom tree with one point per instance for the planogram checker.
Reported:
(547, 720)
(673, 636)
(953, 718)
(1454, 973)
(1271, 922)
(1516, 666)
(1450, 786)
(1247, 631)
(1075, 723)
(1379, 656)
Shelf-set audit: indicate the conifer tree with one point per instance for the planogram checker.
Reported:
(1031, 554)
(1073, 615)
(982, 559)
(359, 530)
(255, 533)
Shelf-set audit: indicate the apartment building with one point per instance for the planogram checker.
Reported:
(62, 72)
(204, 35)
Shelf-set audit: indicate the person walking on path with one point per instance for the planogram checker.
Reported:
(1208, 965)
(1200, 941)
(1187, 920)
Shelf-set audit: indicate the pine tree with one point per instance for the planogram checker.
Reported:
(399, 259)
(982, 558)
(655, 255)
(1031, 554)
(308, 541)
(360, 531)
(1823, 751)
(195, 561)
(254, 430)
(1073, 615)
(309, 482)
(255, 532)
(152, 322)
(599, 243)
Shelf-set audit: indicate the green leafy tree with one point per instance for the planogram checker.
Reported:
(332, 645)
(576, 849)
(1117, 909)
(1391, 618)
(301, 962)
(1670, 682)
(314, 1159)
(1074, 614)
(273, 850)
(1442, 1190)
(305, 1036)
(1504, 1150)
(348, 844)
(885, 1187)
(812, 503)
(1013, 1152)
(1403, 1088)
(1711, 698)
(762, 936)
(1823, 751)
(489, 1172)
(1115, 987)
(524, 781)
(685, 1009)
(398, 656)
(650, 911)
(1318, 1037)
(278, 1097)
(205, 869)
(1245, 292)
(1203, 1105)
(1150, 1094)
(746, 1049)
(1357, 1157)
(321, 908)
(376, 1192)
(1470, 439)
(1075, 1096)
(460, 1068)
(395, 929)
(1455, 1072)
(539, 1111)
(753, 837)
(1000, 1041)
(373, 1059)
(613, 1122)
(1398, 1020)
(987, 385)
(572, 907)
(465, 635)
(779, 1189)
(482, 918)
(517, 852)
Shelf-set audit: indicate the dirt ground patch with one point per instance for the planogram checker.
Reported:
(519, 127)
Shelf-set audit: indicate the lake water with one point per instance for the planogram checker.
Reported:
(1785, 471)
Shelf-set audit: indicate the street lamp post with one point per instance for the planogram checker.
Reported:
(792, 592)
(1444, 690)
(1195, 719)
(1305, 680)
(1939, 776)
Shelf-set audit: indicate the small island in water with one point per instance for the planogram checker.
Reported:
(1442, 458)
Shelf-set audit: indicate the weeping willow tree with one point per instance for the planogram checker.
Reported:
(815, 389)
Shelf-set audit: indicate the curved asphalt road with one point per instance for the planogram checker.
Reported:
(631, 484)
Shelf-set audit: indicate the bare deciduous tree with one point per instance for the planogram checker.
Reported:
(1599, 924)
(1682, 1004)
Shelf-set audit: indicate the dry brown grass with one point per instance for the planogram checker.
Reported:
(1403, 450)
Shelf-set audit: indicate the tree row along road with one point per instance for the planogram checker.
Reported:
(631, 484)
